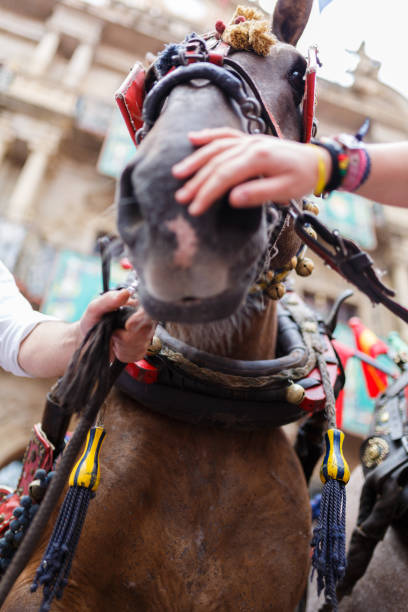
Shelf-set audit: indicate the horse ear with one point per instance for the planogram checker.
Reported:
(290, 18)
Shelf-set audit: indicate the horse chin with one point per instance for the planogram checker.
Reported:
(193, 310)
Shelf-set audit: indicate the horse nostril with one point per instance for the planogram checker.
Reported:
(129, 218)
(188, 299)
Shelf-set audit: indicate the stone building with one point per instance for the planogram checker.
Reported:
(60, 63)
(344, 109)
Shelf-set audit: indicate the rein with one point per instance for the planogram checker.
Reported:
(346, 258)
(88, 380)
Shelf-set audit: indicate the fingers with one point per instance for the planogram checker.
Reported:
(109, 301)
(138, 319)
(199, 158)
(130, 344)
(215, 175)
(205, 136)
(221, 174)
(279, 189)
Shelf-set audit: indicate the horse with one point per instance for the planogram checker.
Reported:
(197, 515)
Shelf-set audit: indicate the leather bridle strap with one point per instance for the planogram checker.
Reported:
(268, 116)
(225, 80)
(346, 258)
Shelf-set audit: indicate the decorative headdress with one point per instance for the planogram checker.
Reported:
(248, 30)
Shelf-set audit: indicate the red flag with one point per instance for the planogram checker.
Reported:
(368, 343)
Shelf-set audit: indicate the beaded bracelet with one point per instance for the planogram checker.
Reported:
(358, 170)
(351, 163)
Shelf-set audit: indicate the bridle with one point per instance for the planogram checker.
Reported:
(142, 97)
(207, 58)
(194, 59)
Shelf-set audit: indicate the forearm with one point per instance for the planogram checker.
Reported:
(47, 350)
(388, 179)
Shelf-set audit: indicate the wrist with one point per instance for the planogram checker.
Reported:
(323, 168)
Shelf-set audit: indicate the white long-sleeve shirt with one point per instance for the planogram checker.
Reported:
(17, 320)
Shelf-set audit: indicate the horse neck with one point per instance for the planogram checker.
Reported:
(248, 334)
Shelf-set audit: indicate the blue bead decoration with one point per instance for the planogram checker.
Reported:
(26, 501)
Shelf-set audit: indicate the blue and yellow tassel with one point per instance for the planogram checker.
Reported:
(329, 555)
(334, 465)
(83, 482)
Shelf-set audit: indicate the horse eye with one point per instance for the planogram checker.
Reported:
(296, 80)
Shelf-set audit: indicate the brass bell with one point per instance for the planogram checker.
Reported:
(291, 265)
(269, 276)
(276, 291)
(304, 267)
(36, 490)
(295, 393)
(155, 346)
(311, 207)
(311, 232)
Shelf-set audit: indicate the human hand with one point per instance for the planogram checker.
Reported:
(229, 159)
(128, 344)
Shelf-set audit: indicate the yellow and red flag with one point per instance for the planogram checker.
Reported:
(367, 342)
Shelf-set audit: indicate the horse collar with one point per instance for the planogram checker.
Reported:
(197, 387)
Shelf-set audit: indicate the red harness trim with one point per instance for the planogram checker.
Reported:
(309, 99)
(143, 371)
(39, 454)
(315, 397)
(131, 93)
(129, 98)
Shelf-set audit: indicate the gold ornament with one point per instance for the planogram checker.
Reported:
(155, 346)
(304, 267)
(249, 30)
(311, 207)
(311, 232)
(276, 291)
(295, 394)
(375, 451)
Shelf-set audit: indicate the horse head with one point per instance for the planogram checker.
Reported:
(194, 270)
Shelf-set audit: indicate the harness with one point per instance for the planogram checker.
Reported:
(197, 387)
(217, 390)
(140, 104)
(205, 58)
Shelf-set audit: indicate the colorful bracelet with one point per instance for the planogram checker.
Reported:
(334, 151)
(321, 171)
(351, 163)
(358, 169)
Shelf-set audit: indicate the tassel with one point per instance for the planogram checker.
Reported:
(56, 563)
(329, 555)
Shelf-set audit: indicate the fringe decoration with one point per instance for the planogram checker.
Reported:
(329, 554)
(56, 563)
(250, 31)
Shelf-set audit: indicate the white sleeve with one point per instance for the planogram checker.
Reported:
(17, 320)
